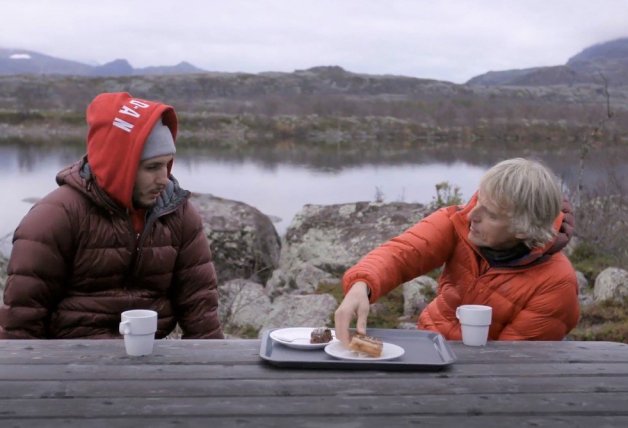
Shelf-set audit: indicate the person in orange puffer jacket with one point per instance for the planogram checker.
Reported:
(501, 249)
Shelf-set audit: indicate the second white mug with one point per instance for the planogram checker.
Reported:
(475, 321)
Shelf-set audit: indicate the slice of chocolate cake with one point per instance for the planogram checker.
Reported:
(321, 335)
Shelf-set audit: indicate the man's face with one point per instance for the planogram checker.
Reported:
(150, 181)
(490, 225)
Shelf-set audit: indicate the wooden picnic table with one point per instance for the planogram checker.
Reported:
(210, 383)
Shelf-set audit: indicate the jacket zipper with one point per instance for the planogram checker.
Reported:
(139, 243)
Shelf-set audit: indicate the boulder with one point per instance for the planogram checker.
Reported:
(243, 304)
(289, 310)
(306, 281)
(611, 284)
(417, 293)
(244, 241)
(331, 238)
(585, 293)
(6, 245)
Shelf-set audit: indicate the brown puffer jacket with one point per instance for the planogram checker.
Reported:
(77, 264)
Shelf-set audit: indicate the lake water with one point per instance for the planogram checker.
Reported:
(279, 190)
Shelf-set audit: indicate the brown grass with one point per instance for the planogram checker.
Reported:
(604, 321)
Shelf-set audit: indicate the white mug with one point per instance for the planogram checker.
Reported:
(138, 327)
(475, 321)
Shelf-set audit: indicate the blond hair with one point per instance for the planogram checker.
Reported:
(530, 193)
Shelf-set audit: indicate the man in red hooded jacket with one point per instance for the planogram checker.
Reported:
(502, 249)
(117, 234)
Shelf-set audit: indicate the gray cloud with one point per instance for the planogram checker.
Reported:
(447, 40)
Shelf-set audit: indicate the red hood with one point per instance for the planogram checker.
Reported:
(118, 127)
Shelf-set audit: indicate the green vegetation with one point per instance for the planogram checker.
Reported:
(48, 117)
(18, 117)
(603, 321)
(388, 310)
(385, 314)
(588, 259)
(331, 287)
(245, 332)
(446, 195)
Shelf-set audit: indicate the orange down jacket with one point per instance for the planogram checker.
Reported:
(533, 299)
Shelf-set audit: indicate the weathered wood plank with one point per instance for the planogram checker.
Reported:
(260, 370)
(112, 352)
(93, 383)
(561, 421)
(542, 352)
(575, 404)
(241, 351)
(310, 387)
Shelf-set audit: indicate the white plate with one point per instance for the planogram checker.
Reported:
(298, 337)
(390, 351)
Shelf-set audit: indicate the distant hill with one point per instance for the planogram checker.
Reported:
(543, 105)
(181, 68)
(20, 61)
(609, 59)
(14, 61)
(322, 109)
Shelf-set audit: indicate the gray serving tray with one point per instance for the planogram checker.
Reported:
(424, 350)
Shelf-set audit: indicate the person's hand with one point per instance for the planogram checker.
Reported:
(356, 302)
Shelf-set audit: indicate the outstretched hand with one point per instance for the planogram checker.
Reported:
(355, 303)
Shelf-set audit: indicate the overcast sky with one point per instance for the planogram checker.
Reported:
(451, 40)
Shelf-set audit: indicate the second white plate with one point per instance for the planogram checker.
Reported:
(298, 337)
(390, 351)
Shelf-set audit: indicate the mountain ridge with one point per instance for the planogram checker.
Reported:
(594, 64)
(606, 60)
(23, 61)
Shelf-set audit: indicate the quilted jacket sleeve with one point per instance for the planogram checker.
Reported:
(549, 315)
(420, 249)
(195, 296)
(36, 271)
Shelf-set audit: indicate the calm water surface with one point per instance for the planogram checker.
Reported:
(278, 190)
